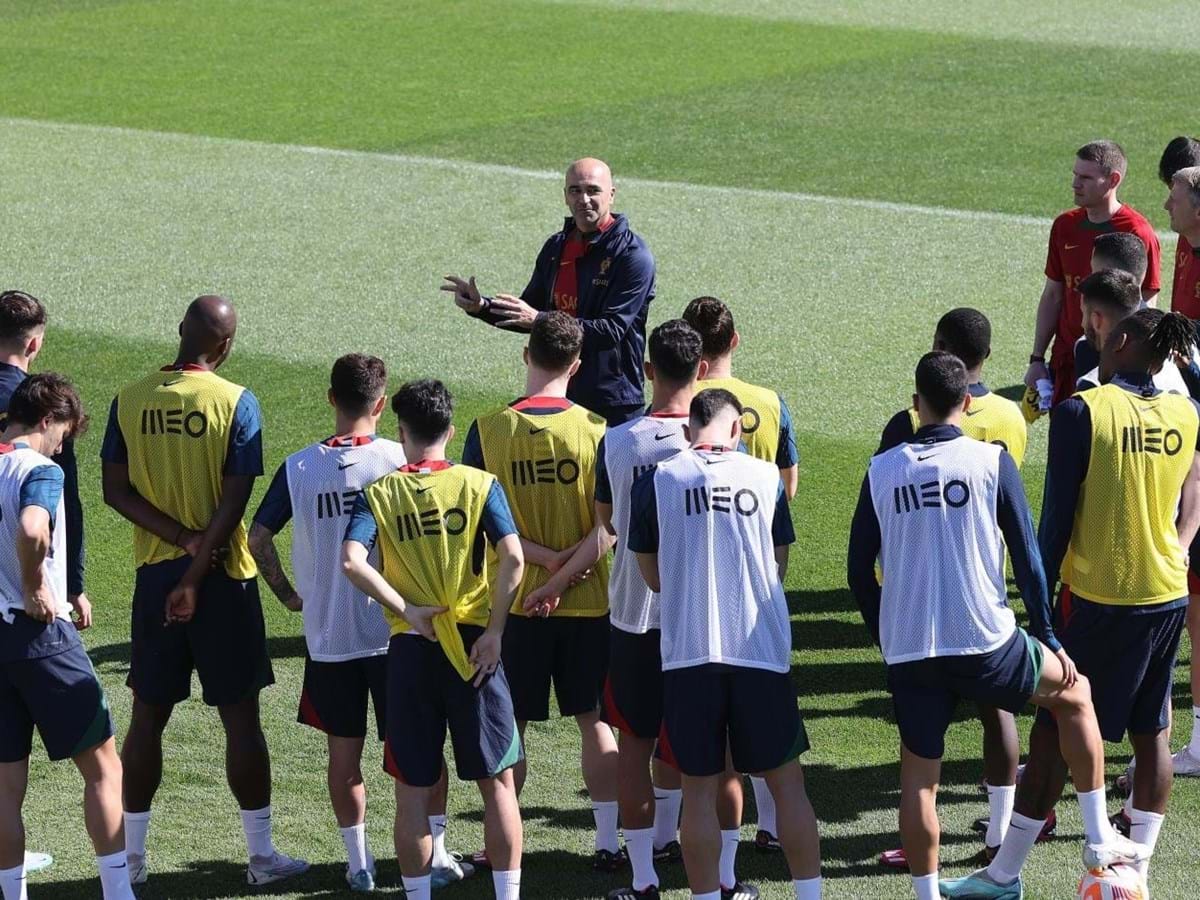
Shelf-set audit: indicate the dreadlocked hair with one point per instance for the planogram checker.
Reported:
(1161, 333)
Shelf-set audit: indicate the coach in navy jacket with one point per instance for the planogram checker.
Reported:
(598, 270)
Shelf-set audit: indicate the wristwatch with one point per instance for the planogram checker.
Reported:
(1037, 359)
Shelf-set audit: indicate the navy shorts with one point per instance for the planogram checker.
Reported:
(925, 692)
(753, 712)
(633, 690)
(225, 643)
(570, 651)
(334, 696)
(47, 681)
(1128, 654)
(426, 695)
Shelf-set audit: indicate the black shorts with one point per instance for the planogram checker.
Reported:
(753, 712)
(334, 696)
(57, 692)
(570, 651)
(226, 641)
(633, 691)
(426, 695)
(925, 692)
(1128, 654)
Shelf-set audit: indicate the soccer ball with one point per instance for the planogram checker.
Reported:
(1117, 882)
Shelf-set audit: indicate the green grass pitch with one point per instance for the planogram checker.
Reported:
(840, 173)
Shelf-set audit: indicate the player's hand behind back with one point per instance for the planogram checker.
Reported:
(181, 604)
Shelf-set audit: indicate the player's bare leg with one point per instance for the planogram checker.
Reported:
(502, 833)
(347, 793)
(521, 769)
(247, 762)
(141, 755)
(413, 842)
(599, 763)
(100, 767)
(729, 816)
(1151, 788)
(668, 793)
(700, 833)
(636, 804)
(920, 831)
(797, 824)
(1001, 756)
(14, 779)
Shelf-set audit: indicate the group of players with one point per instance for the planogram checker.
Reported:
(489, 582)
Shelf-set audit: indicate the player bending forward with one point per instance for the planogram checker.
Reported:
(711, 530)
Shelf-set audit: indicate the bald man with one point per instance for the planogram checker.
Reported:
(180, 456)
(597, 270)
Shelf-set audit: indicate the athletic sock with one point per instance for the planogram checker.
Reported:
(666, 816)
(1015, 848)
(1094, 806)
(416, 888)
(256, 823)
(136, 827)
(765, 803)
(1000, 807)
(712, 895)
(12, 883)
(810, 888)
(1194, 743)
(1144, 830)
(114, 876)
(605, 814)
(926, 887)
(437, 830)
(729, 848)
(639, 843)
(507, 884)
(355, 839)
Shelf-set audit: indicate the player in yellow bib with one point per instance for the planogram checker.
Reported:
(430, 521)
(967, 334)
(1122, 502)
(542, 449)
(180, 456)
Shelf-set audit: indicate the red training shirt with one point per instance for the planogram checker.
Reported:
(566, 283)
(1185, 289)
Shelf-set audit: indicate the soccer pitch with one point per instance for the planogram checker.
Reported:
(840, 175)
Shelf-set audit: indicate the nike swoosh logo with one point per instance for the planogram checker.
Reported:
(1070, 246)
(662, 437)
(925, 457)
(348, 465)
(974, 412)
(169, 383)
(713, 462)
(424, 489)
(536, 430)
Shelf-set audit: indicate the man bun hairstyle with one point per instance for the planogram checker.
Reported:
(20, 314)
(555, 341)
(1124, 250)
(675, 351)
(710, 403)
(1181, 153)
(1107, 154)
(714, 322)
(48, 394)
(425, 408)
(1114, 290)
(967, 334)
(941, 381)
(356, 382)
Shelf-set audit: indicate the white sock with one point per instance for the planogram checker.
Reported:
(666, 816)
(12, 883)
(1127, 806)
(1000, 807)
(605, 814)
(639, 843)
(712, 895)
(437, 829)
(507, 884)
(1144, 830)
(415, 888)
(1015, 848)
(1094, 806)
(355, 839)
(765, 803)
(256, 823)
(1194, 744)
(114, 876)
(810, 888)
(926, 887)
(729, 848)
(136, 827)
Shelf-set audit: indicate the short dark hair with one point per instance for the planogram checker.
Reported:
(1156, 335)
(1108, 154)
(714, 322)
(707, 404)
(967, 334)
(555, 341)
(48, 394)
(425, 408)
(20, 314)
(1115, 290)
(941, 381)
(357, 381)
(1181, 153)
(675, 351)
(1124, 250)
